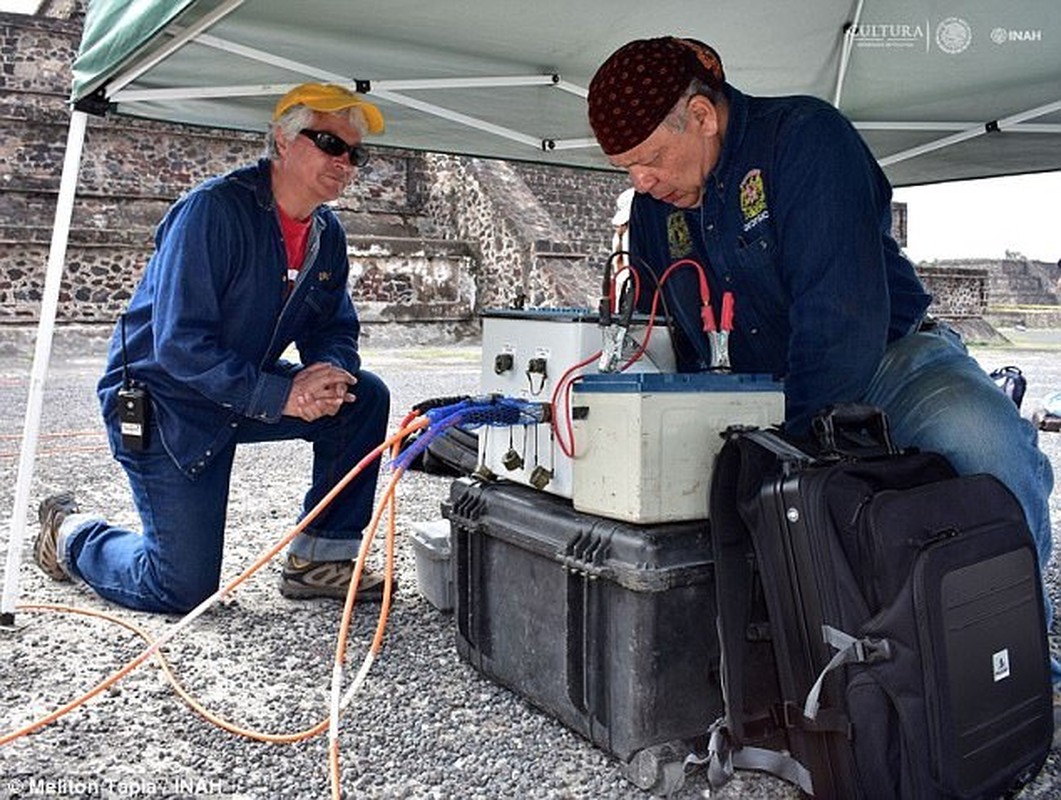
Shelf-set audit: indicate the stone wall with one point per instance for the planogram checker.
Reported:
(1016, 290)
(1016, 280)
(958, 293)
(542, 234)
(434, 284)
(131, 171)
(581, 203)
(410, 256)
(1004, 292)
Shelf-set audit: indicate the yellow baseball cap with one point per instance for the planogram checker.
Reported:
(328, 97)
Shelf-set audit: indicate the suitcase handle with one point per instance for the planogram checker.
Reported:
(853, 429)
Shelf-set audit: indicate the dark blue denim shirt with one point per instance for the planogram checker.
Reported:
(209, 321)
(796, 222)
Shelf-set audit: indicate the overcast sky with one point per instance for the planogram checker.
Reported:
(20, 6)
(985, 218)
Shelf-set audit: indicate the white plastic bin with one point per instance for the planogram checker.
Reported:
(431, 547)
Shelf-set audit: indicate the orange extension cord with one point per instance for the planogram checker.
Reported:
(560, 401)
(409, 425)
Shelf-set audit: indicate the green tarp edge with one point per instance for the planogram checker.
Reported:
(113, 31)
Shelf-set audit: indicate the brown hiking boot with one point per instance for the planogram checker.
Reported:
(302, 579)
(51, 513)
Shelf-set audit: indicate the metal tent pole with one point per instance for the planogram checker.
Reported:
(1012, 122)
(846, 44)
(49, 305)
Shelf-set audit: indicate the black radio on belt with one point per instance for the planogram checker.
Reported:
(134, 406)
(133, 411)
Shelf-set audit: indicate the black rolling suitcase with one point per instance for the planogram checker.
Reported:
(881, 620)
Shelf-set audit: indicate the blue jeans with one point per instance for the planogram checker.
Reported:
(938, 398)
(176, 563)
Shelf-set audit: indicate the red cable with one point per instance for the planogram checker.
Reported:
(705, 294)
(707, 316)
(561, 415)
(557, 412)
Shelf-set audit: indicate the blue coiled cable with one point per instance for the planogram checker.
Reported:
(468, 414)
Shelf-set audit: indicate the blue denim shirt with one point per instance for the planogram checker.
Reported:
(796, 223)
(208, 323)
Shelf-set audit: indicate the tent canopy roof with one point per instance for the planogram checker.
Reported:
(507, 80)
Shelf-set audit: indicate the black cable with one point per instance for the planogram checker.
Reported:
(627, 302)
(605, 307)
(126, 382)
(438, 402)
(668, 319)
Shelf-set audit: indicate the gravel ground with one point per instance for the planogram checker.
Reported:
(426, 724)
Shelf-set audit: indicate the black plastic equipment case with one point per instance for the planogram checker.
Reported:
(607, 626)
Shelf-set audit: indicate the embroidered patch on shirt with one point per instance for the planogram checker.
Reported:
(753, 199)
(679, 240)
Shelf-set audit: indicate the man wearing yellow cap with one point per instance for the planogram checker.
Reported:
(245, 265)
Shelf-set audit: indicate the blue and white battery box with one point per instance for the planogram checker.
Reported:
(645, 444)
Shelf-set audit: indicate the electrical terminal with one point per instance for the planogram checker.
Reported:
(611, 356)
(540, 477)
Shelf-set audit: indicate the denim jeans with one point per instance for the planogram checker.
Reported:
(938, 398)
(176, 562)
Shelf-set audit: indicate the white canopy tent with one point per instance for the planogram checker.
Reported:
(941, 89)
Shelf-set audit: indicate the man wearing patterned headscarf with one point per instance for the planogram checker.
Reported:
(785, 208)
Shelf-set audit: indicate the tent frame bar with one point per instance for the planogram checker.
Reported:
(1006, 123)
(53, 277)
(846, 45)
(455, 116)
(208, 92)
(385, 90)
(261, 56)
(390, 90)
(1024, 127)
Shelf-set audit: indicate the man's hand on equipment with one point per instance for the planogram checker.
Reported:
(319, 390)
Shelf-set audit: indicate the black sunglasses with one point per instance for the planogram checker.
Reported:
(334, 146)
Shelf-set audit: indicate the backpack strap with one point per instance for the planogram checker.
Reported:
(853, 430)
(849, 651)
(723, 758)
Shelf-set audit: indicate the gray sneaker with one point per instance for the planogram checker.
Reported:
(51, 513)
(301, 580)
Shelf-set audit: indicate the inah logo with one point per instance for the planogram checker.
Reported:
(953, 35)
(1002, 35)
